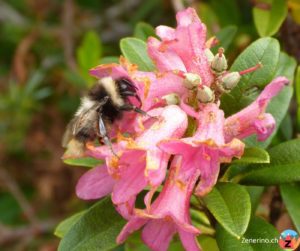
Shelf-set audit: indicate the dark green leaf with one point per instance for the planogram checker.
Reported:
(269, 15)
(298, 97)
(85, 161)
(258, 230)
(230, 205)
(227, 11)
(135, 50)
(96, 230)
(286, 127)
(264, 50)
(284, 166)
(225, 37)
(255, 193)
(291, 197)
(63, 227)
(143, 31)
(253, 155)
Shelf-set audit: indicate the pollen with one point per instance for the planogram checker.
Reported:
(211, 117)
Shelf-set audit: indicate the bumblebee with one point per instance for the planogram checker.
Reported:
(105, 103)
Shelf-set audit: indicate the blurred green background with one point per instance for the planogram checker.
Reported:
(46, 48)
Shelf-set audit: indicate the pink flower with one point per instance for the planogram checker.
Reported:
(253, 119)
(168, 214)
(140, 163)
(182, 49)
(206, 149)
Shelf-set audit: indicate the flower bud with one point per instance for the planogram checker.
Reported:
(205, 95)
(171, 99)
(230, 80)
(192, 80)
(209, 55)
(219, 63)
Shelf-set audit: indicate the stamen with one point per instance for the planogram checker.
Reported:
(251, 69)
(221, 51)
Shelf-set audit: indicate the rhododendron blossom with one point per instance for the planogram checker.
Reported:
(154, 151)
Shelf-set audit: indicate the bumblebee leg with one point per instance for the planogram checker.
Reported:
(103, 135)
(129, 107)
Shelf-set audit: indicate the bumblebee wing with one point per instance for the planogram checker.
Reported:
(68, 135)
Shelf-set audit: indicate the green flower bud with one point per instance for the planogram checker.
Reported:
(192, 80)
(219, 63)
(205, 95)
(171, 99)
(210, 56)
(230, 80)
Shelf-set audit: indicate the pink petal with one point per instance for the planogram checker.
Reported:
(180, 187)
(126, 208)
(172, 123)
(164, 83)
(210, 124)
(131, 179)
(165, 32)
(187, 17)
(114, 70)
(164, 59)
(190, 46)
(95, 184)
(252, 119)
(157, 234)
(273, 89)
(132, 225)
(264, 126)
(210, 168)
(189, 241)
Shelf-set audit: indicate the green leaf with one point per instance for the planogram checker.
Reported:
(227, 11)
(269, 15)
(88, 54)
(109, 60)
(255, 193)
(279, 104)
(230, 205)
(85, 161)
(96, 230)
(298, 97)
(286, 127)
(207, 243)
(134, 242)
(264, 50)
(225, 37)
(135, 50)
(63, 227)
(143, 31)
(291, 197)
(258, 230)
(253, 155)
(284, 166)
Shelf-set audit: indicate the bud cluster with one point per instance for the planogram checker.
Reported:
(224, 81)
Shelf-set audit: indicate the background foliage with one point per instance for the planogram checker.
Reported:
(46, 49)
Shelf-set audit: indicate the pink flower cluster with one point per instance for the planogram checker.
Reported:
(157, 152)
